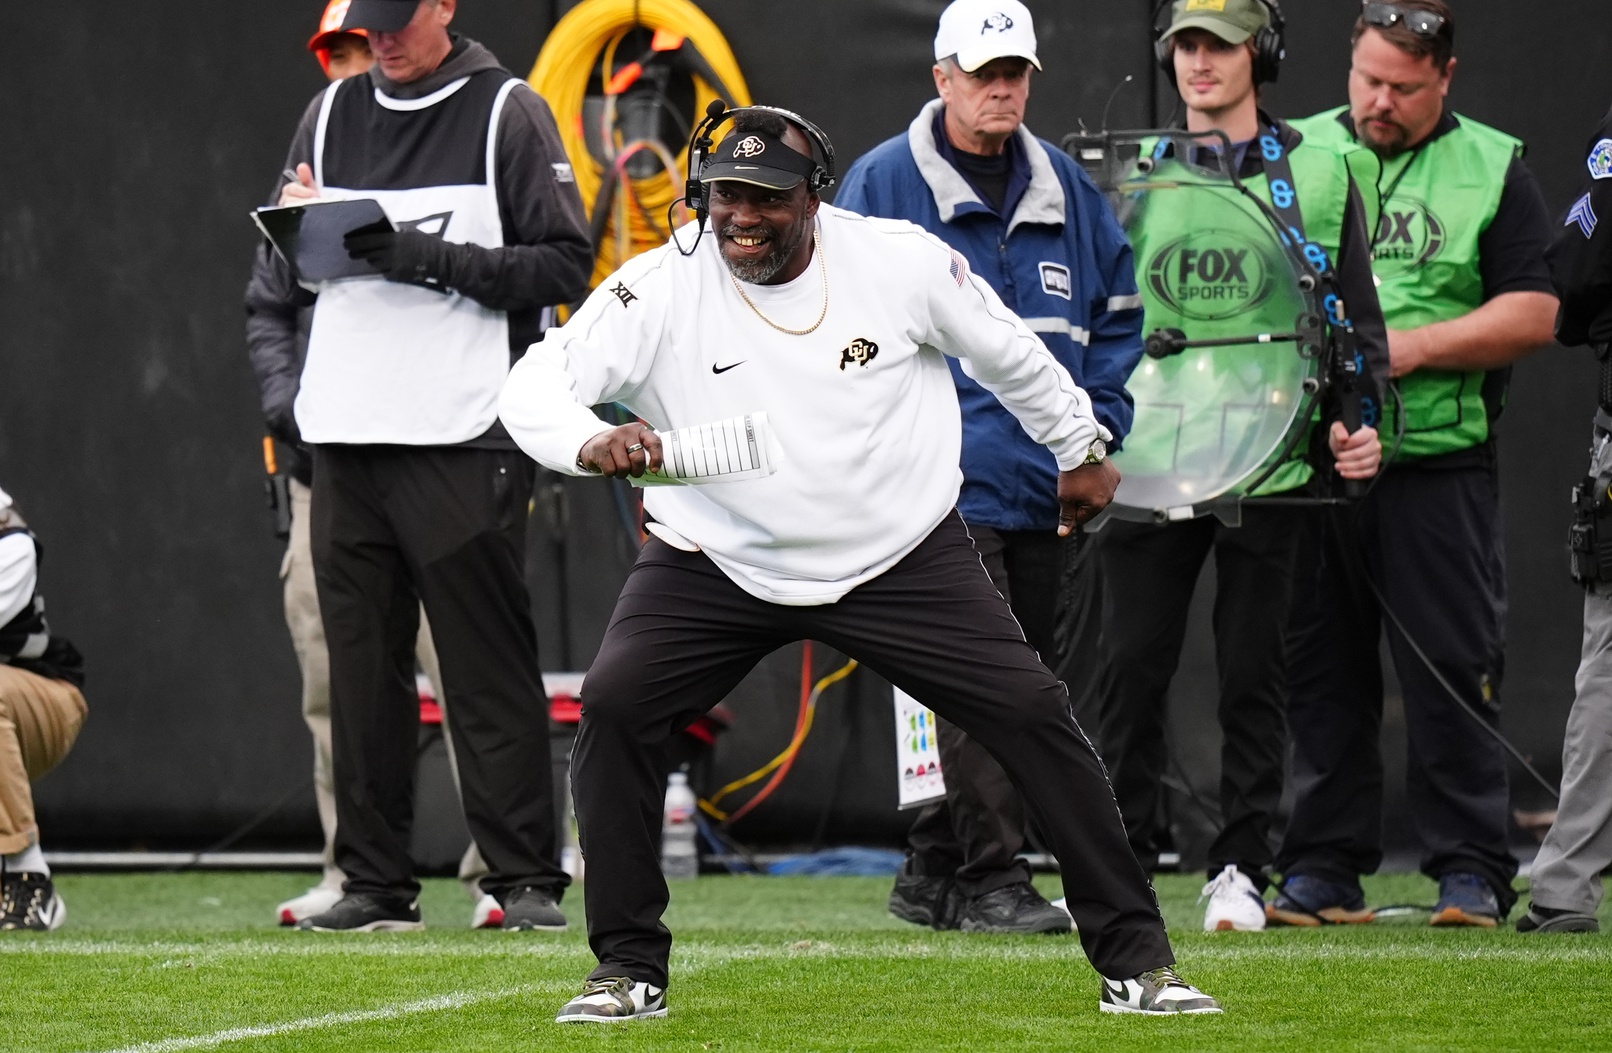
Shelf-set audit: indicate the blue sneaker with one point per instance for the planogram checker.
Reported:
(1310, 902)
(1466, 899)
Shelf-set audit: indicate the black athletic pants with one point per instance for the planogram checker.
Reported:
(394, 527)
(974, 835)
(683, 635)
(1430, 537)
(1149, 573)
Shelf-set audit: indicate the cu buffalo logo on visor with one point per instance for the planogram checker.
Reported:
(860, 351)
(1409, 235)
(1211, 275)
(749, 146)
(1000, 22)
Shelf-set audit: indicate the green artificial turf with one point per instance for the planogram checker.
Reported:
(192, 961)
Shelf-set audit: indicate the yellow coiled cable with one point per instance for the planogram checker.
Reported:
(565, 65)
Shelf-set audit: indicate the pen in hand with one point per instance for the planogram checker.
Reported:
(299, 188)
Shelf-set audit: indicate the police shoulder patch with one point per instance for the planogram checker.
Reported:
(1601, 160)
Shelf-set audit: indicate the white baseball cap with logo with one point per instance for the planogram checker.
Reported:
(978, 31)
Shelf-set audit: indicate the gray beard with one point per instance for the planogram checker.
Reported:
(764, 270)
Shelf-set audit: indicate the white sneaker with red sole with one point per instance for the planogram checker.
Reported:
(489, 914)
(316, 900)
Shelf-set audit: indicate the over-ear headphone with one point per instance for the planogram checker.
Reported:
(718, 114)
(1270, 44)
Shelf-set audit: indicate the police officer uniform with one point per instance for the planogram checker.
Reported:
(1566, 880)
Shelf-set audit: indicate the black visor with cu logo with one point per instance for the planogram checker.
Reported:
(754, 157)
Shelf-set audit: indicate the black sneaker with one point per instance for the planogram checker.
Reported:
(528, 908)
(29, 901)
(931, 901)
(1550, 919)
(366, 912)
(1013, 908)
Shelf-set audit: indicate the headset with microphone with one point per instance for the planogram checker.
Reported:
(695, 194)
(1270, 43)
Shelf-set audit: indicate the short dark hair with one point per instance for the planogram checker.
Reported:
(1438, 47)
(760, 122)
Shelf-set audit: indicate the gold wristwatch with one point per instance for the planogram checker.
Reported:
(1096, 453)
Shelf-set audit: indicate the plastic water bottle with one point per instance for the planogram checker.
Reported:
(679, 854)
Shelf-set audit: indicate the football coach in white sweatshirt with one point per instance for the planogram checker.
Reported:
(835, 325)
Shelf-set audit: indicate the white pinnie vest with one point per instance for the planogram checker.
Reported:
(390, 362)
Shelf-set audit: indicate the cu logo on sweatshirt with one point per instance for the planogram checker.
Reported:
(861, 351)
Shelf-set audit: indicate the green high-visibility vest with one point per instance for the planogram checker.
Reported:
(1441, 198)
(1209, 263)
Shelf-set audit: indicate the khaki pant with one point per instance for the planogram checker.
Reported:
(39, 720)
(308, 638)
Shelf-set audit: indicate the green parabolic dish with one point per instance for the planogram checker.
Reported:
(1208, 420)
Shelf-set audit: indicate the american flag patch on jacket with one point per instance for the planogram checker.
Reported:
(959, 269)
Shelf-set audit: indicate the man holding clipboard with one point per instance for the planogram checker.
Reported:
(419, 493)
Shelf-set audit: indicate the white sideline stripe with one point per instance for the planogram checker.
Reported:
(458, 1000)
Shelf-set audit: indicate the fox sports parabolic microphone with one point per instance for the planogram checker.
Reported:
(835, 326)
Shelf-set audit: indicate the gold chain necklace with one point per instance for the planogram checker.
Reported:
(822, 268)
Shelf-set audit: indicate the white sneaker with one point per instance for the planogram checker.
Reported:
(1157, 991)
(489, 913)
(316, 900)
(1235, 905)
(1062, 903)
(611, 1000)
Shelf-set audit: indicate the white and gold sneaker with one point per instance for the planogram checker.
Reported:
(1157, 991)
(613, 999)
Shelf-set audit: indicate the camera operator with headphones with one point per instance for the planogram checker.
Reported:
(1032, 224)
(1218, 53)
(836, 327)
(1461, 272)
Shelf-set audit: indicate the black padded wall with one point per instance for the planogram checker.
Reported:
(128, 421)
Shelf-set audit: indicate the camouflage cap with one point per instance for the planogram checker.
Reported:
(1234, 21)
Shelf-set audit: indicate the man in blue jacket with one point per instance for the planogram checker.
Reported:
(1033, 225)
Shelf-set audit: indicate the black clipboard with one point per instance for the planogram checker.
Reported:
(309, 237)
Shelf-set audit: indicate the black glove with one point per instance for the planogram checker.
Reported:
(401, 255)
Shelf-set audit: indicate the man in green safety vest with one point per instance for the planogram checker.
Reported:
(1461, 272)
(1213, 267)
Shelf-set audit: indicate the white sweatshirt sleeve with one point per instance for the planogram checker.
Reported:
(19, 574)
(970, 322)
(601, 355)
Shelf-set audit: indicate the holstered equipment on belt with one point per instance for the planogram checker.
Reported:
(1590, 540)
